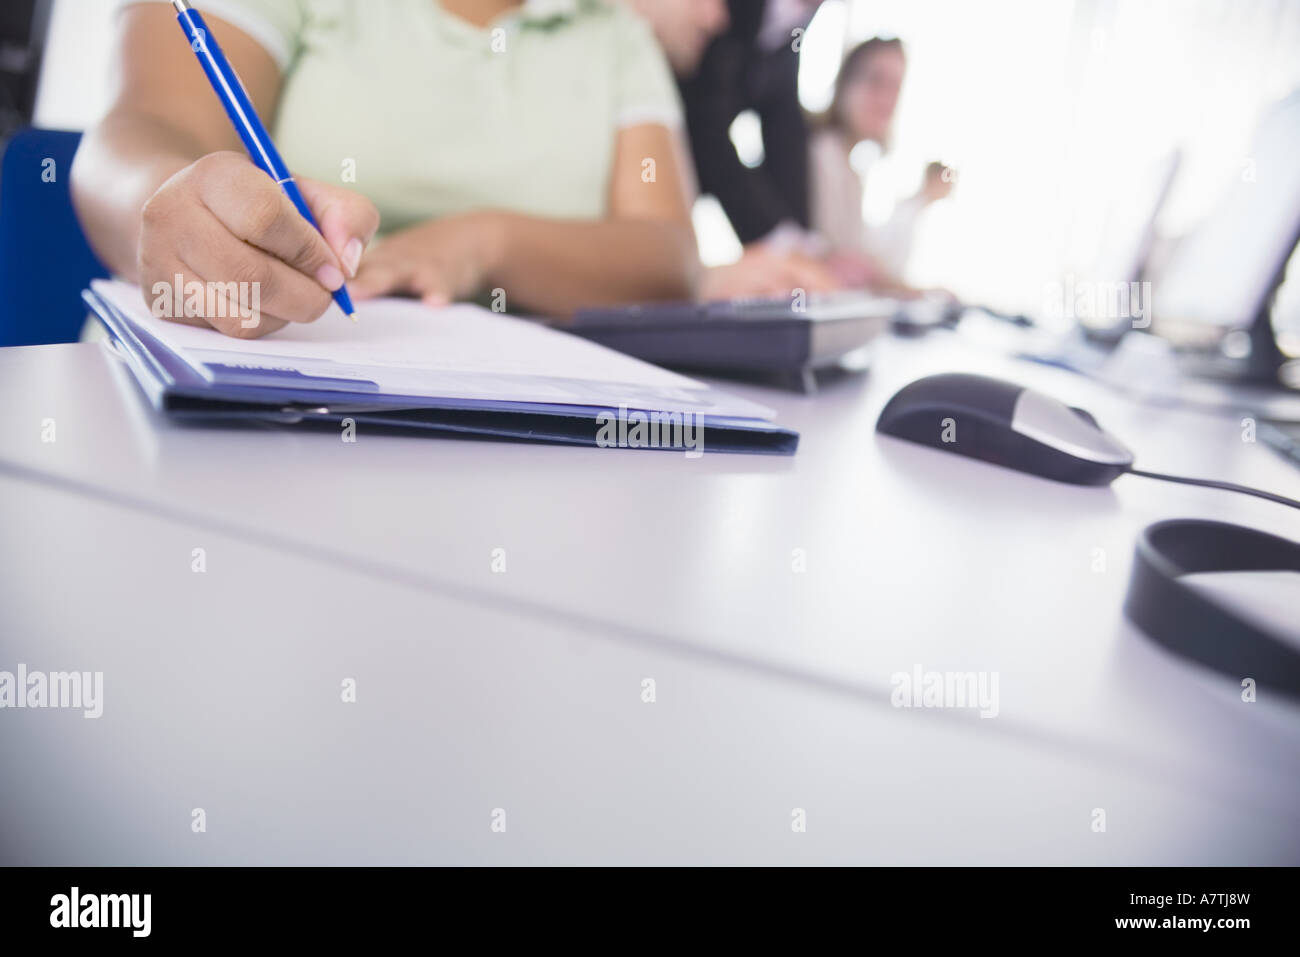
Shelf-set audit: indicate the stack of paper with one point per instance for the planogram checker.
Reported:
(460, 369)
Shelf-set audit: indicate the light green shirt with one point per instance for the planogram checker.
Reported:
(427, 114)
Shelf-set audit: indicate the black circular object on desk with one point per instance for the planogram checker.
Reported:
(1196, 626)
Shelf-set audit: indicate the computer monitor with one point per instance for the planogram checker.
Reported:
(1131, 223)
(1221, 276)
(1126, 241)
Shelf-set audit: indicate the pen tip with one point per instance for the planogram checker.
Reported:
(352, 316)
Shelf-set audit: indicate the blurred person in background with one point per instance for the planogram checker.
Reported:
(684, 28)
(731, 57)
(862, 110)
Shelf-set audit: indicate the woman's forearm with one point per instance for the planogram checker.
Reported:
(558, 266)
(121, 163)
(164, 117)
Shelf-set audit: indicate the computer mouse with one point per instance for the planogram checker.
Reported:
(1006, 424)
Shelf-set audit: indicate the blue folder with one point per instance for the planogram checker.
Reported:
(233, 393)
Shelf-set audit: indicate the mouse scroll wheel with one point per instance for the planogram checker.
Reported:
(1087, 417)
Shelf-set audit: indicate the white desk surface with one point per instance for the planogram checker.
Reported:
(378, 555)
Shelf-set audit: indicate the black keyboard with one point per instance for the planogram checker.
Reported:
(747, 335)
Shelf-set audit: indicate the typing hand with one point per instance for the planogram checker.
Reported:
(248, 261)
(439, 261)
(856, 270)
(939, 180)
(763, 273)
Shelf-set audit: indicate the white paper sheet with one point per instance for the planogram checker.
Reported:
(459, 351)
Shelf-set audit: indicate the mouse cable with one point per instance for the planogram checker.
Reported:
(1211, 483)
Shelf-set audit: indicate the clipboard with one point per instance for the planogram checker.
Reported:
(247, 386)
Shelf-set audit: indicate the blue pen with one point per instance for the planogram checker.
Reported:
(239, 108)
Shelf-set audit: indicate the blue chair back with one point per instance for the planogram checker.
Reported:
(45, 260)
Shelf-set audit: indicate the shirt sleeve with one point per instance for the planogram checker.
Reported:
(645, 91)
(276, 25)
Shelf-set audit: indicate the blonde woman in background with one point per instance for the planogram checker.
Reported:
(862, 110)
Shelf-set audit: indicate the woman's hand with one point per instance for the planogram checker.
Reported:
(763, 273)
(223, 221)
(439, 261)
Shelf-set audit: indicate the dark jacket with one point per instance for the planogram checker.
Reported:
(734, 76)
